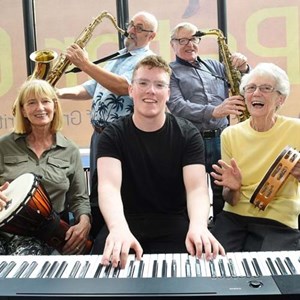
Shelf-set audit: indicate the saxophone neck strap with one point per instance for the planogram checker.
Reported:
(103, 59)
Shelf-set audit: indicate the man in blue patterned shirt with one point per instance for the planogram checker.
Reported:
(109, 84)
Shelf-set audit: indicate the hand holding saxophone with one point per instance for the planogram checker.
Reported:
(77, 56)
(234, 105)
(239, 61)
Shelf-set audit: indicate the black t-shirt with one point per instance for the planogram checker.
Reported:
(152, 162)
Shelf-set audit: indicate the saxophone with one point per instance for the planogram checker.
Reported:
(53, 74)
(233, 75)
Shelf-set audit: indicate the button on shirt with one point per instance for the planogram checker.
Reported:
(196, 91)
(106, 106)
(60, 168)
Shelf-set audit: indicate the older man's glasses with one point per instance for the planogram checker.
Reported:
(138, 28)
(264, 88)
(144, 84)
(185, 41)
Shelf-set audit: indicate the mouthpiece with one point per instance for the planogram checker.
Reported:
(199, 33)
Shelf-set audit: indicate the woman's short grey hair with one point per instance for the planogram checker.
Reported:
(282, 83)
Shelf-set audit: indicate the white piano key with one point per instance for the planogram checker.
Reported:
(262, 263)
(95, 261)
(161, 257)
(265, 256)
(294, 257)
(147, 265)
(203, 262)
(177, 264)
(126, 271)
(232, 257)
(193, 265)
(169, 260)
(183, 261)
(225, 265)
(246, 256)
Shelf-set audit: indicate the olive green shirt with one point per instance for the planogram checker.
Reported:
(60, 168)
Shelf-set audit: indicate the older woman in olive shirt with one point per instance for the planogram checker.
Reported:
(36, 145)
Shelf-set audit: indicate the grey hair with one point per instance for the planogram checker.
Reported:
(149, 18)
(183, 25)
(282, 83)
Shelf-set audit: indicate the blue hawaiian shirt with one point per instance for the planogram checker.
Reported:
(106, 106)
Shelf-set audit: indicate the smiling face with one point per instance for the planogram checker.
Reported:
(39, 110)
(150, 91)
(261, 96)
(186, 52)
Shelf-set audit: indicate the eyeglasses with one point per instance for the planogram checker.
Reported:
(264, 88)
(185, 41)
(138, 28)
(144, 84)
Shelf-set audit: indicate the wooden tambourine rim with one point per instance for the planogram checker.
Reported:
(268, 174)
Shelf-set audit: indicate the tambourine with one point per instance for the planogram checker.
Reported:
(275, 177)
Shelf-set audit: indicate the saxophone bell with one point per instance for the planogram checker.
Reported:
(43, 63)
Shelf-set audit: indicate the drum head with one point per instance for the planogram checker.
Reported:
(17, 192)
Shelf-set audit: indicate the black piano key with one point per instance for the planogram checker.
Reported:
(256, 267)
(246, 267)
(116, 271)
(44, 269)
(141, 269)
(21, 269)
(130, 269)
(107, 271)
(164, 268)
(280, 266)
(3, 265)
(61, 269)
(231, 268)
(174, 268)
(75, 269)
(198, 268)
(7, 269)
(271, 266)
(98, 271)
(84, 269)
(222, 268)
(30, 269)
(52, 269)
(290, 266)
(212, 269)
(188, 271)
(154, 268)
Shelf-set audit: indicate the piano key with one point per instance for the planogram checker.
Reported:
(271, 266)
(146, 260)
(256, 267)
(183, 259)
(21, 269)
(198, 267)
(84, 269)
(290, 266)
(176, 264)
(161, 257)
(170, 261)
(75, 269)
(188, 271)
(116, 272)
(61, 269)
(52, 269)
(192, 260)
(3, 265)
(260, 258)
(154, 268)
(124, 272)
(221, 267)
(235, 265)
(43, 269)
(30, 269)
(7, 269)
(281, 266)
(98, 271)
